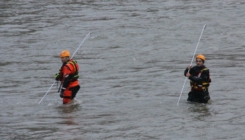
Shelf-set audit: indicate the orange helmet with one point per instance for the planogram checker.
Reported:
(65, 53)
(200, 56)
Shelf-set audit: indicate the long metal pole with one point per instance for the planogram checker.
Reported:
(71, 58)
(204, 27)
(80, 44)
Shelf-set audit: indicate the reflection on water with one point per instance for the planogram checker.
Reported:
(200, 111)
(131, 69)
(72, 107)
(69, 120)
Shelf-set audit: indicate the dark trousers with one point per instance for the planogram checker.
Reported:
(74, 91)
(198, 96)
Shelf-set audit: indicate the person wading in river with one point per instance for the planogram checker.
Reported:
(68, 76)
(199, 81)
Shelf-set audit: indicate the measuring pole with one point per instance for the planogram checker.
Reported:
(71, 58)
(204, 27)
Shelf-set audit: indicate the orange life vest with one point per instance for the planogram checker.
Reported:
(70, 70)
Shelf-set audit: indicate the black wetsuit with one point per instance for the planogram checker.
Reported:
(199, 77)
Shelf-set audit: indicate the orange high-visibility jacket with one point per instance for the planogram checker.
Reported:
(69, 74)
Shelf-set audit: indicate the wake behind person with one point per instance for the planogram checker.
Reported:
(68, 76)
(199, 81)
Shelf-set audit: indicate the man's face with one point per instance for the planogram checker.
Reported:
(199, 62)
(64, 59)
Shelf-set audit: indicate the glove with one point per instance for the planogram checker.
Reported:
(62, 92)
(57, 76)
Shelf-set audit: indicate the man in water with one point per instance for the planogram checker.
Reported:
(68, 76)
(199, 81)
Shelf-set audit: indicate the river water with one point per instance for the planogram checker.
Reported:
(131, 69)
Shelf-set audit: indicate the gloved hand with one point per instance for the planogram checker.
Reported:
(57, 76)
(62, 92)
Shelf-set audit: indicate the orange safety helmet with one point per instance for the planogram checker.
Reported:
(200, 56)
(65, 53)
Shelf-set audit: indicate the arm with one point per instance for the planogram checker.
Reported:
(186, 70)
(67, 76)
(59, 76)
(204, 77)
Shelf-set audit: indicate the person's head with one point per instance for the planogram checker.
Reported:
(65, 56)
(200, 59)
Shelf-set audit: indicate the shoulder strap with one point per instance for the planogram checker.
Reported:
(73, 63)
(205, 69)
(202, 71)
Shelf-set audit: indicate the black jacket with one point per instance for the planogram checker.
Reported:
(194, 71)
